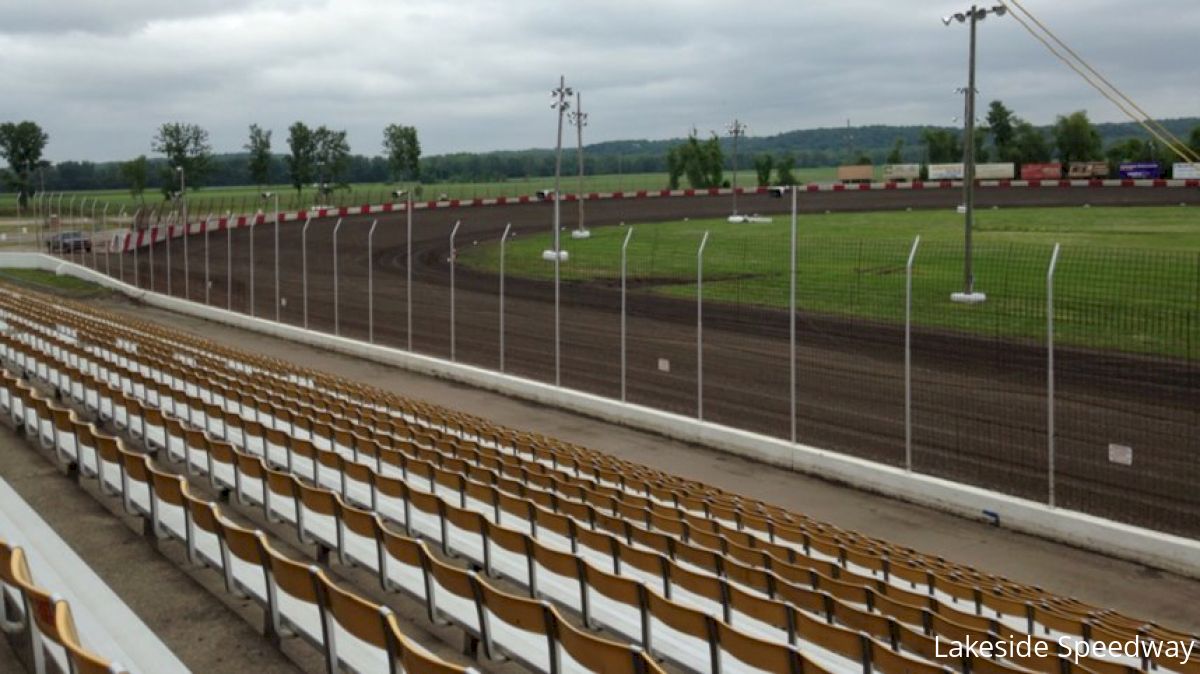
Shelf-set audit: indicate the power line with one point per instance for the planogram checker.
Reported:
(1175, 145)
(1186, 151)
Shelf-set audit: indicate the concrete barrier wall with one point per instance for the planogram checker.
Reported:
(1160, 550)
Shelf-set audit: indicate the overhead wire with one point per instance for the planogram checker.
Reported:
(1187, 152)
(1167, 139)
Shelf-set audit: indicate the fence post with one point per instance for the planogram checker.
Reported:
(253, 226)
(207, 282)
(453, 257)
(187, 275)
(107, 252)
(229, 261)
(371, 283)
(304, 267)
(908, 270)
(337, 326)
(791, 319)
(170, 227)
(624, 248)
(408, 269)
(1050, 373)
(277, 307)
(503, 240)
(700, 327)
(153, 235)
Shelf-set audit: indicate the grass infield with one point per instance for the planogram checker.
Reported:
(1127, 278)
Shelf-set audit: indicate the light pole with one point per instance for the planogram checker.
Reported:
(268, 195)
(579, 119)
(561, 104)
(736, 129)
(972, 16)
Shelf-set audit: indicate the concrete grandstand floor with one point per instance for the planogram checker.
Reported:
(1136, 590)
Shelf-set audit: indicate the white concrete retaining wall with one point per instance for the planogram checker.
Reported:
(1165, 551)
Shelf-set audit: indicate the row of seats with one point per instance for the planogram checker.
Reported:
(883, 628)
(342, 616)
(46, 619)
(307, 507)
(844, 557)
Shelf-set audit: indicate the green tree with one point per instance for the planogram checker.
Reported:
(674, 167)
(702, 162)
(21, 144)
(896, 156)
(1194, 140)
(1076, 139)
(1001, 124)
(1029, 144)
(403, 151)
(259, 147)
(863, 160)
(331, 153)
(784, 166)
(185, 145)
(763, 164)
(1130, 149)
(941, 146)
(135, 172)
(300, 161)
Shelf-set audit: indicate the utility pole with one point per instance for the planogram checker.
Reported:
(736, 129)
(579, 119)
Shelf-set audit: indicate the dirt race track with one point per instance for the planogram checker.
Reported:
(979, 403)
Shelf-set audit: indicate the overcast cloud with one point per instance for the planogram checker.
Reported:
(476, 74)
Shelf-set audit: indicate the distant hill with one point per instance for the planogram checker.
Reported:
(810, 147)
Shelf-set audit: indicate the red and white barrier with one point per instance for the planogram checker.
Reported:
(144, 237)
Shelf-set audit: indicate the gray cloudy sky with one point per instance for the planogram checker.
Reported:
(475, 74)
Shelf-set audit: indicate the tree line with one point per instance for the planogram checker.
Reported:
(319, 157)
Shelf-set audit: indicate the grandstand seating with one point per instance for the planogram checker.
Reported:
(703, 579)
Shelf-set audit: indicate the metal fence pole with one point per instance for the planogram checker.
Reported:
(503, 240)
(153, 235)
(170, 229)
(791, 318)
(253, 226)
(277, 307)
(337, 326)
(229, 261)
(908, 270)
(453, 257)
(107, 252)
(304, 267)
(700, 327)
(187, 275)
(1050, 374)
(207, 281)
(624, 248)
(371, 283)
(408, 269)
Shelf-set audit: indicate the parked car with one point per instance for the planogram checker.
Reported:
(69, 242)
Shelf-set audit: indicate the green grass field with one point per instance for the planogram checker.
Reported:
(44, 280)
(245, 198)
(1128, 278)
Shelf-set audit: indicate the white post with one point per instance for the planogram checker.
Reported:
(561, 93)
(453, 257)
(229, 261)
(700, 327)
(153, 231)
(1050, 374)
(337, 326)
(371, 283)
(791, 311)
(408, 269)
(277, 308)
(107, 252)
(908, 270)
(170, 226)
(624, 249)
(207, 281)
(253, 226)
(304, 267)
(503, 240)
(187, 275)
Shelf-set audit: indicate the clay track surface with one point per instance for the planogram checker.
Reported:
(979, 403)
